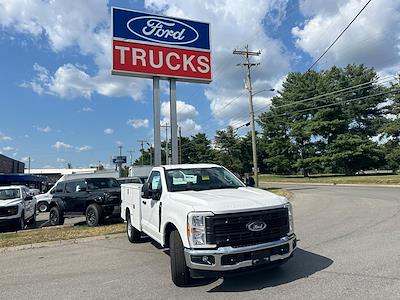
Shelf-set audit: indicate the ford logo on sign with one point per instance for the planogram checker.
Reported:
(256, 226)
(164, 30)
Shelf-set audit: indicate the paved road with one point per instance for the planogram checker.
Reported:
(349, 249)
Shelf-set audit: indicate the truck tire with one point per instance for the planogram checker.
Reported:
(55, 216)
(93, 215)
(33, 220)
(179, 271)
(132, 233)
(21, 223)
(43, 206)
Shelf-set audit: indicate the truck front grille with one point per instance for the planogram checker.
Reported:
(231, 229)
(8, 211)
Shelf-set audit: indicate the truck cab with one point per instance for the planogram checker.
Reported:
(211, 222)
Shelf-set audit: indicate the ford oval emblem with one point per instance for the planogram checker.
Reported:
(162, 30)
(256, 226)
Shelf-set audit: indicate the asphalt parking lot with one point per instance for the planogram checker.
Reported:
(349, 249)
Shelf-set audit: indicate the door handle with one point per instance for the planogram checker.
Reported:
(144, 202)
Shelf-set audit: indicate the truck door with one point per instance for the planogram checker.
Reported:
(151, 208)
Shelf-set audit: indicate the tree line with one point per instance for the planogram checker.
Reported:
(340, 120)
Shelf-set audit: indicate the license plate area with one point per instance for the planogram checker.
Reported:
(260, 257)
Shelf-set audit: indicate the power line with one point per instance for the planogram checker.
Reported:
(338, 37)
(326, 105)
(348, 89)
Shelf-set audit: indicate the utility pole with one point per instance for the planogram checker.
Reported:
(248, 65)
(180, 142)
(166, 143)
(131, 156)
(120, 150)
(142, 147)
(150, 153)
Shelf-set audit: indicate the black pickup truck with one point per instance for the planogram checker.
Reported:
(96, 198)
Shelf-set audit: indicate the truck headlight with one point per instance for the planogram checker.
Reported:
(290, 212)
(196, 228)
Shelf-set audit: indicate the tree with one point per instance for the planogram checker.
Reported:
(391, 128)
(197, 149)
(301, 128)
(228, 150)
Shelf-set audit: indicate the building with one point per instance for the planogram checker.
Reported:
(55, 174)
(10, 166)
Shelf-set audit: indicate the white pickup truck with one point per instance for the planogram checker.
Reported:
(210, 221)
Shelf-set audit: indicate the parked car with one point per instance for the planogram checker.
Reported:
(95, 198)
(210, 221)
(43, 200)
(134, 179)
(17, 207)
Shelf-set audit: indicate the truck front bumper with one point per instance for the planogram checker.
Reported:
(233, 258)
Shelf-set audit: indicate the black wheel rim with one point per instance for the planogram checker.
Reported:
(53, 217)
(91, 216)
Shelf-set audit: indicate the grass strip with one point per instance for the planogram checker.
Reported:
(49, 234)
(335, 179)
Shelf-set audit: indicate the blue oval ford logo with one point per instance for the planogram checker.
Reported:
(164, 30)
(256, 226)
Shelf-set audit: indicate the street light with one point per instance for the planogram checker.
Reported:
(253, 127)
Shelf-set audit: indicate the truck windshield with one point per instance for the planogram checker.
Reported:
(101, 183)
(201, 179)
(9, 194)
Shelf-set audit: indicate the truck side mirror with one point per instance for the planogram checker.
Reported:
(145, 190)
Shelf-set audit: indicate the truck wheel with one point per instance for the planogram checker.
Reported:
(43, 207)
(179, 270)
(55, 216)
(132, 233)
(21, 225)
(93, 215)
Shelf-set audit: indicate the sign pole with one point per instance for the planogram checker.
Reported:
(174, 122)
(156, 113)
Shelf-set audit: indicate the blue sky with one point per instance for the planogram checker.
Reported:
(60, 104)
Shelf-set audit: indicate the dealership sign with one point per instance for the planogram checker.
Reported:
(146, 45)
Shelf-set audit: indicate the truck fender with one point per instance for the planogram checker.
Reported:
(168, 227)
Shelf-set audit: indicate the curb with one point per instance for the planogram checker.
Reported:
(61, 242)
(332, 184)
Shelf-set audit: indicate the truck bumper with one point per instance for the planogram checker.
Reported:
(226, 259)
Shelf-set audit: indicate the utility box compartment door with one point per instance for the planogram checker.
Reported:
(131, 196)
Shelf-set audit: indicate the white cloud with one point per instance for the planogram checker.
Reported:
(235, 24)
(25, 159)
(60, 160)
(4, 137)
(61, 145)
(137, 123)
(67, 24)
(373, 39)
(184, 110)
(119, 143)
(83, 148)
(185, 113)
(108, 131)
(8, 148)
(46, 129)
(87, 109)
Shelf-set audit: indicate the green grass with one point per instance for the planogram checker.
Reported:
(334, 179)
(281, 192)
(49, 234)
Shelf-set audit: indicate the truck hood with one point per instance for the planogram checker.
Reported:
(228, 200)
(10, 202)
